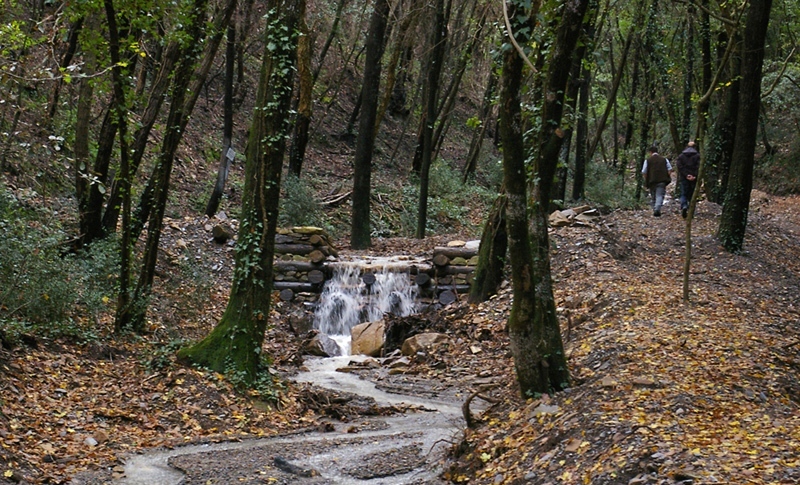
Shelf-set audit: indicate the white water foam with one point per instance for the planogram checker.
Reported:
(346, 300)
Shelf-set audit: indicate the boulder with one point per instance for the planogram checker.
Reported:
(424, 342)
(321, 345)
(367, 338)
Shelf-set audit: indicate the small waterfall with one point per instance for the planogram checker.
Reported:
(359, 293)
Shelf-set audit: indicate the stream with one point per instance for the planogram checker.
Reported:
(400, 449)
(405, 448)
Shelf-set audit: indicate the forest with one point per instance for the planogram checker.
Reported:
(150, 152)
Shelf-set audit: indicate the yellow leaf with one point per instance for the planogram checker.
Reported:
(8, 473)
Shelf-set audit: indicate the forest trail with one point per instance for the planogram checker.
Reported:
(662, 390)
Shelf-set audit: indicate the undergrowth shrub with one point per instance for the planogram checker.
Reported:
(604, 187)
(44, 290)
(450, 204)
(299, 206)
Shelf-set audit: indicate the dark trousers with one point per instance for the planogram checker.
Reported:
(687, 189)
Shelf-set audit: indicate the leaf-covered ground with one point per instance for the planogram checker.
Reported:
(664, 391)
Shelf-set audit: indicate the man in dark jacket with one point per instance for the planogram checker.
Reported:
(687, 163)
(656, 172)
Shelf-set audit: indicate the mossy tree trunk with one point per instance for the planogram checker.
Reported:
(492, 255)
(234, 346)
(534, 334)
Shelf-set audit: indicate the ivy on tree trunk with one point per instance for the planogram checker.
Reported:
(234, 346)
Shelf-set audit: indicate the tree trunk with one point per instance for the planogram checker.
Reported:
(612, 96)
(196, 81)
(83, 119)
(719, 149)
(492, 256)
(133, 316)
(534, 335)
(90, 209)
(360, 237)
(226, 156)
(733, 220)
(331, 35)
(688, 77)
(72, 46)
(297, 152)
(234, 346)
(119, 109)
(435, 62)
(158, 90)
(582, 136)
(479, 133)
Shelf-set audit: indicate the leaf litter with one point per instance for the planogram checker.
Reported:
(663, 391)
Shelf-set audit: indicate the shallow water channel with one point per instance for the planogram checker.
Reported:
(401, 449)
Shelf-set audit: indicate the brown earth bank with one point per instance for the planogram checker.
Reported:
(663, 391)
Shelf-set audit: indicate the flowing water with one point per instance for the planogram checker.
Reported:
(341, 457)
(347, 299)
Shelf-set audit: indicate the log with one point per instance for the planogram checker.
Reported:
(304, 249)
(441, 260)
(316, 240)
(451, 253)
(296, 286)
(283, 239)
(317, 256)
(454, 270)
(286, 294)
(298, 266)
(316, 276)
(335, 199)
(458, 289)
(422, 279)
(447, 297)
(368, 278)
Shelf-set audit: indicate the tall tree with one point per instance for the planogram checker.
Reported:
(235, 343)
(360, 237)
(533, 328)
(132, 314)
(227, 155)
(305, 82)
(434, 70)
(733, 222)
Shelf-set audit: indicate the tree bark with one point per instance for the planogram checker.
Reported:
(719, 149)
(479, 133)
(119, 109)
(234, 346)
(226, 156)
(492, 255)
(305, 80)
(434, 70)
(733, 221)
(360, 237)
(196, 82)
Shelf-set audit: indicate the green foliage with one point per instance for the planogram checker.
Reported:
(449, 204)
(604, 188)
(43, 290)
(264, 386)
(299, 206)
(162, 355)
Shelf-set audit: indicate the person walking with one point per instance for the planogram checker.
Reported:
(687, 163)
(656, 172)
